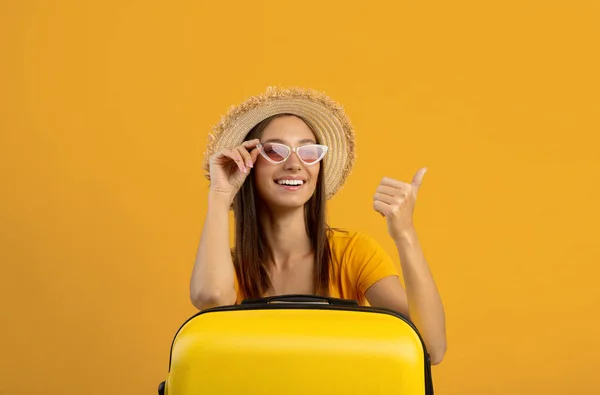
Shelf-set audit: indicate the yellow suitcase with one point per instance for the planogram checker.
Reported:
(298, 345)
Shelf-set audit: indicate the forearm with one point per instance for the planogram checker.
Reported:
(213, 274)
(424, 302)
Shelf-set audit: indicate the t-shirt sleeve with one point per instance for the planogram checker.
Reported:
(368, 262)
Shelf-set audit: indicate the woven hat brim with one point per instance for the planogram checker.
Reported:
(326, 117)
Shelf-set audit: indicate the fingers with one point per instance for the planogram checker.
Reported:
(396, 199)
(250, 143)
(392, 191)
(235, 156)
(381, 207)
(247, 160)
(418, 178)
(254, 155)
(240, 155)
(390, 186)
(388, 204)
(249, 151)
(390, 182)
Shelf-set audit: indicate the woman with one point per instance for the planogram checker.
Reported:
(276, 159)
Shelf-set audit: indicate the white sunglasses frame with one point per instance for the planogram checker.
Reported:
(292, 150)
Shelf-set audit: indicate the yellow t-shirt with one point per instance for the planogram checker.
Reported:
(358, 262)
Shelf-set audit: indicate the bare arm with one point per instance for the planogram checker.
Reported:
(212, 280)
(396, 201)
(421, 300)
(424, 301)
(213, 274)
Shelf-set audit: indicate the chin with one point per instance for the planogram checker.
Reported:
(287, 200)
(287, 203)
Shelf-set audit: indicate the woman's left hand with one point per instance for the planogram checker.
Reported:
(395, 200)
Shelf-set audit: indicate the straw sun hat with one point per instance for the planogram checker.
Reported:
(326, 117)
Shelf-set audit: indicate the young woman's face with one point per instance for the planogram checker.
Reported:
(277, 184)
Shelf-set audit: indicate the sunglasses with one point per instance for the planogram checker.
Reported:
(278, 153)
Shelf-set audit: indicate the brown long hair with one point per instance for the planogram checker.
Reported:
(252, 252)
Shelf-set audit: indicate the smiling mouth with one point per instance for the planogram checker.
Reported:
(290, 183)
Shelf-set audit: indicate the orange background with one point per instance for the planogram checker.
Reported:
(104, 113)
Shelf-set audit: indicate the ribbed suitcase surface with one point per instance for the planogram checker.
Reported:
(297, 345)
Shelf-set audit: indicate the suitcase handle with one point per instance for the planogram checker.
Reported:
(303, 299)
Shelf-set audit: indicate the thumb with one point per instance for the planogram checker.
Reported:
(418, 179)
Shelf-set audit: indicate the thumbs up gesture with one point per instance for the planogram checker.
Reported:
(395, 200)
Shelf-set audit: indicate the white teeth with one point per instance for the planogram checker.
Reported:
(290, 182)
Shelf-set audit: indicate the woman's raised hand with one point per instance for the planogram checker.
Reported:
(230, 167)
(396, 201)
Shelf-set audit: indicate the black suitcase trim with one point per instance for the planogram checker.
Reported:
(311, 302)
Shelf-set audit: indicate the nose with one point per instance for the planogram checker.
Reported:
(293, 162)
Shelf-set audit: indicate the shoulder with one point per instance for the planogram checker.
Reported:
(360, 260)
(344, 241)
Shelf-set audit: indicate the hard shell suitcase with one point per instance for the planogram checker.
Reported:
(298, 344)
